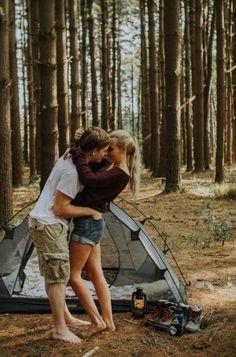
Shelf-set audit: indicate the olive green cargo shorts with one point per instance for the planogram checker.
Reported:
(52, 249)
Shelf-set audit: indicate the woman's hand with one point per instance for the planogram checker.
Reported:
(66, 154)
(78, 133)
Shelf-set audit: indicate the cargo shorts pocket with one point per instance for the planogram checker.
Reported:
(57, 268)
(35, 225)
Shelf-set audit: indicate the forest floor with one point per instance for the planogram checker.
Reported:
(187, 221)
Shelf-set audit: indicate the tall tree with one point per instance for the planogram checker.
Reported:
(153, 89)
(162, 160)
(48, 77)
(84, 69)
(172, 73)
(74, 54)
(192, 28)
(15, 112)
(207, 90)
(220, 62)
(31, 101)
(145, 103)
(62, 80)
(199, 122)
(188, 122)
(93, 63)
(113, 75)
(234, 75)
(5, 132)
(34, 33)
(105, 115)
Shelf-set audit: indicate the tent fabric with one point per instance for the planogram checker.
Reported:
(129, 259)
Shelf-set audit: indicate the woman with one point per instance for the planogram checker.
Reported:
(100, 188)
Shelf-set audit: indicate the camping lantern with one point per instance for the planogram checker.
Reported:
(138, 303)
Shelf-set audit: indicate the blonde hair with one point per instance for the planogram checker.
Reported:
(130, 143)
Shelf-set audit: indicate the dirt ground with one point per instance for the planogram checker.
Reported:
(187, 221)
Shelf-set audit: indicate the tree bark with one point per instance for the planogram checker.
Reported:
(105, 116)
(220, 62)
(84, 76)
(188, 123)
(74, 80)
(93, 64)
(153, 89)
(62, 80)
(15, 112)
(172, 78)
(5, 125)
(48, 77)
(31, 102)
(199, 123)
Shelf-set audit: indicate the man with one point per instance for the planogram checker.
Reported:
(49, 230)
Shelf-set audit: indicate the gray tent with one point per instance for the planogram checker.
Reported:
(129, 259)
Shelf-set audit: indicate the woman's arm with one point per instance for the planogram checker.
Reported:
(63, 208)
(101, 178)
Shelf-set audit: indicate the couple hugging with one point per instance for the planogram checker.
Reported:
(81, 187)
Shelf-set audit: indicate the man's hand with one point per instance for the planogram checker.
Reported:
(96, 215)
(63, 208)
(78, 133)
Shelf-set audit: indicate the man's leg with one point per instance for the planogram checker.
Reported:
(95, 273)
(56, 295)
(79, 254)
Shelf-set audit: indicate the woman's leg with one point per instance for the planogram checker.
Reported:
(95, 273)
(79, 253)
(71, 321)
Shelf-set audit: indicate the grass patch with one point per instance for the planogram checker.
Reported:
(225, 191)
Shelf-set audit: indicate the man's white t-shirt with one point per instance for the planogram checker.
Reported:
(64, 178)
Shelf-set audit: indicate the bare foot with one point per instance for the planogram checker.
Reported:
(93, 330)
(74, 322)
(66, 336)
(110, 327)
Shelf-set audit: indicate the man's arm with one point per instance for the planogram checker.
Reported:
(63, 208)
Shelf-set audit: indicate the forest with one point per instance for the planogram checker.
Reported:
(163, 70)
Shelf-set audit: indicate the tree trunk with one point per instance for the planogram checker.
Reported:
(145, 103)
(188, 123)
(105, 116)
(220, 62)
(207, 90)
(172, 73)
(15, 112)
(62, 80)
(228, 94)
(48, 77)
(234, 77)
(199, 123)
(192, 26)
(31, 102)
(34, 32)
(74, 80)
(84, 94)
(113, 118)
(5, 132)
(119, 95)
(162, 160)
(153, 89)
(93, 64)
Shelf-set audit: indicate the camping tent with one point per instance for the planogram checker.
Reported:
(129, 259)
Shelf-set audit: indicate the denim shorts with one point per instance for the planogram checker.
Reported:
(88, 230)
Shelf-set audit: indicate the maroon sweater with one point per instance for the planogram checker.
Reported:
(100, 187)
